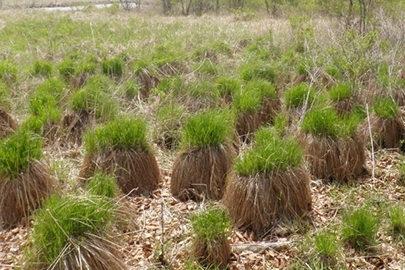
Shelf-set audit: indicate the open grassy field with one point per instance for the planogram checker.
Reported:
(69, 78)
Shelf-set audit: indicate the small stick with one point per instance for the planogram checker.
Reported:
(372, 144)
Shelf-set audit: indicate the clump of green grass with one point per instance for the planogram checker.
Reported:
(131, 89)
(227, 86)
(101, 184)
(262, 87)
(386, 108)
(397, 218)
(125, 134)
(63, 219)
(269, 153)
(326, 247)
(206, 67)
(298, 95)
(66, 69)
(113, 66)
(325, 122)
(210, 128)
(322, 122)
(17, 151)
(401, 170)
(257, 70)
(211, 225)
(246, 100)
(171, 88)
(281, 123)
(360, 227)
(340, 92)
(8, 72)
(42, 68)
(5, 95)
(94, 98)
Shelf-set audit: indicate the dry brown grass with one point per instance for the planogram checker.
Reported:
(247, 124)
(7, 123)
(136, 173)
(90, 252)
(202, 172)
(20, 196)
(387, 133)
(270, 107)
(73, 125)
(215, 254)
(340, 160)
(259, 203)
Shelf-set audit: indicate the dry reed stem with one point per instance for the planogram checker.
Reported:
(20, 196)
(202, 172)
(329, 159)
(258, 203)
(136, 173)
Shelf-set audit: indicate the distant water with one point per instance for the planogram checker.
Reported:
(70, 8)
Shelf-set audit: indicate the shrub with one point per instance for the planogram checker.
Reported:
(112, 67)
(386, 108)
(360, 227)
(298, 95)
(209, 128)
(269, 153)
(121, 134)
(43, 68)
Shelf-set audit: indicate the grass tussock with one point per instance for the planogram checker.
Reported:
(8, 125)
(71, 231)
(121, 148)
(211, 246)
(269, 176)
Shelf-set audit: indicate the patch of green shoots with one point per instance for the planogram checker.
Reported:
(257, 70)
(122, 133)
(269, 153)
(210, 128)
(360, 227)
(42, 68)
(386, 108)
(326, 245)
(64, 218)
(262, 87)
(113, 66)
(94, 98)
(246, 100)
(322, 122)
(299, 95)
(101, 184)
(212, 225)
(131, 89)
(206, 67)
(17, 152)
(281, 123)
(66, 69)
(340, 92)
(397, 218)
(8, 72)
(227, 86)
